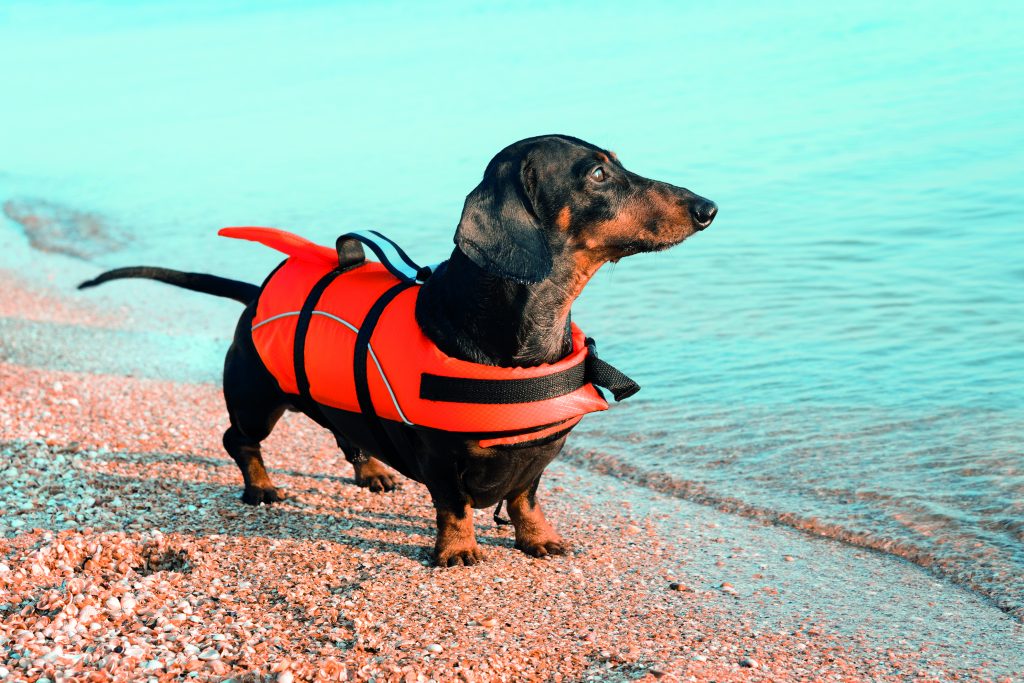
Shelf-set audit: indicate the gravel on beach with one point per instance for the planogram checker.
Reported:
(125, 554)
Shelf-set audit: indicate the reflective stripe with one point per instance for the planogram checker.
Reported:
(373, 356)
(272, 319)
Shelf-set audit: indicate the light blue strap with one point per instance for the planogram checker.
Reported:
(392, 256)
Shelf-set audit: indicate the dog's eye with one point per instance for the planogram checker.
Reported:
(598, 174)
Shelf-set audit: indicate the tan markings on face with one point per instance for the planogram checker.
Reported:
(603, 157)
(564, 217)
(626, 224)
(613, 155)
(670, 220)
(670, 212)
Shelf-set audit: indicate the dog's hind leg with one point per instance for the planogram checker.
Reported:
(370, 473)
(246, 453)
(255, 403)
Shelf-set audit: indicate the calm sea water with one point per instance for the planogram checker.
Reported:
(843, 350)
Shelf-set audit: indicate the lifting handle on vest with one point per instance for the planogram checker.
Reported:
(390, 255)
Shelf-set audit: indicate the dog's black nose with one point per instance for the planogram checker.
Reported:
(703, 212)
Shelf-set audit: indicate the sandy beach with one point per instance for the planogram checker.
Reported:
(125, 553)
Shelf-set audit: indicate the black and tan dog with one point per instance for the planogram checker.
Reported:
(549, 212)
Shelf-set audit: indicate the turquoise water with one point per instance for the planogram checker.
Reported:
(843, 349)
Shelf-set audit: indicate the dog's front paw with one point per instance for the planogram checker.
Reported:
(543, 546)
(457, 556)
(254, 495)
(376, 476)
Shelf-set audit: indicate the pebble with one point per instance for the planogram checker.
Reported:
(435, 648)
(285, 676)
(749, 663)
(728, 588)
(113, 604)
(676, 586)
(209, 654)
(788, 558)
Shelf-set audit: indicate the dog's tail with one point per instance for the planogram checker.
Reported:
(198, 282)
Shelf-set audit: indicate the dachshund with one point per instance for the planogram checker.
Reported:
(548, 213)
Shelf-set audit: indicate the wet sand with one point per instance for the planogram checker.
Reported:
(125, 554)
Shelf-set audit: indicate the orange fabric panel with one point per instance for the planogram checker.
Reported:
(529, 436)
(393, 339)
(398, 344)
(330, 345)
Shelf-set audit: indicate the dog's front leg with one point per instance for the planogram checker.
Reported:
(456, 539)
(534, 534)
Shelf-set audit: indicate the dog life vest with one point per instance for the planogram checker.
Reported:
(342, 332)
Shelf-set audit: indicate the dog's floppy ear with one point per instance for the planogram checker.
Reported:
(499, 230)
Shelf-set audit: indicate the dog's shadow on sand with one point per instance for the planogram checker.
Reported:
(355, 517)
(143, 491)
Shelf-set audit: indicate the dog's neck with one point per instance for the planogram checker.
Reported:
(475, 316)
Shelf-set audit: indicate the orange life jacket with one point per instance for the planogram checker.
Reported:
(406, 377)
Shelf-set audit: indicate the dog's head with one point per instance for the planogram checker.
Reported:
(558, 197)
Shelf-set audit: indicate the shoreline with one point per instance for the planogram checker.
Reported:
(809, 525)
(142, 441)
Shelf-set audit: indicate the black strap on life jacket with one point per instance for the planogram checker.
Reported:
(398, 263)
(350, 255)
(360, 357)
(504, 391)
(302, 327)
